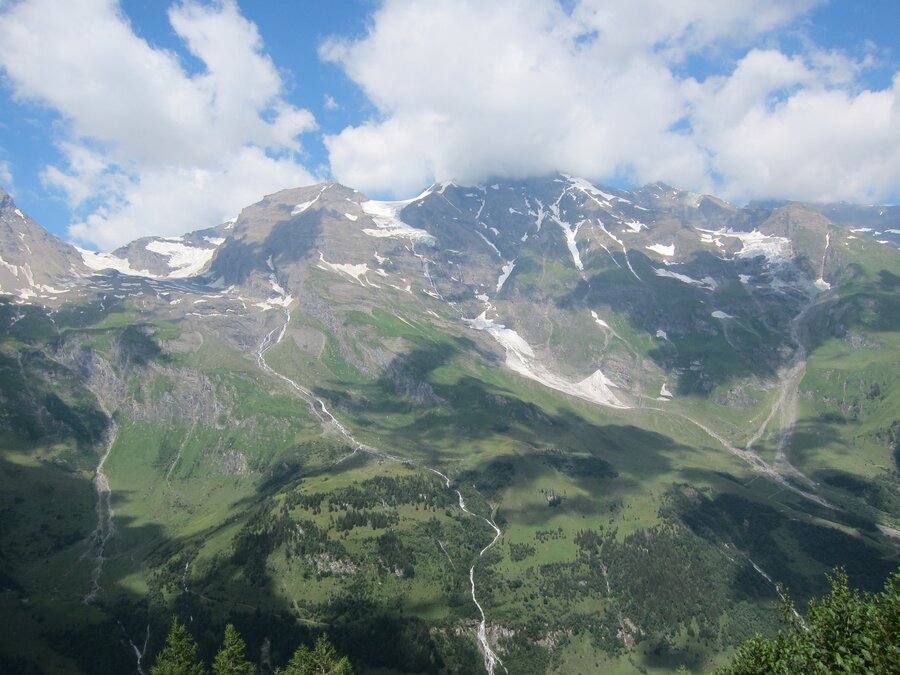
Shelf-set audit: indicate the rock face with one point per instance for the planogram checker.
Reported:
(33, 263)
(546, 273)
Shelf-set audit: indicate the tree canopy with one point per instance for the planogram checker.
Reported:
(846, 632)
(231, 660)
(321, 660)
(179, 656)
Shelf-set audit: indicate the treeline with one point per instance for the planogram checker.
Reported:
(180, 656)
(379, 491)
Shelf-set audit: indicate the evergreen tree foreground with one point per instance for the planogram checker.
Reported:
(180, 657)
(231, 660)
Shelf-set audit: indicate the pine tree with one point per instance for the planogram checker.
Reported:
(179, 656)
(321, 660)
(230, 659)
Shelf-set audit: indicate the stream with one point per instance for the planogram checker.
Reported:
(105, 528)
(317, 405)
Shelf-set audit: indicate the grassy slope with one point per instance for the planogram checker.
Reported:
(496, 435)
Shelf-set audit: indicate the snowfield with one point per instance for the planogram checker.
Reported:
(386, 216)
(520, 358)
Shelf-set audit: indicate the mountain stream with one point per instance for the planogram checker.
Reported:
(317, 405)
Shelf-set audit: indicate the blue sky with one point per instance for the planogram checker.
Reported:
(121, 119)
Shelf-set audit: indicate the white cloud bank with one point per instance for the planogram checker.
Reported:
(466, 89)
(463, 89)
(150, 147)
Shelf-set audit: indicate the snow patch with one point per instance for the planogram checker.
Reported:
(184, 260)
(591, 191)
(20, 214)
(107, 261)
(351, 217)
(282, 299)
(719, 314)
(600, 322)
(14, 270)
(302, 206)
(756, 243)
(520, 358)
(634, 225)
(491, 244)
(706, 282)
(506, 271)
(664, 390)
(386, 216)
(668, 251)
(570, 231)
(351, 270)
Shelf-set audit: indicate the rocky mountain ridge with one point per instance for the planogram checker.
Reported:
(331, 407)
(517, 261)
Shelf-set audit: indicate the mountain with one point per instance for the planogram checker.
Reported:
(532, 426)
(34, 263)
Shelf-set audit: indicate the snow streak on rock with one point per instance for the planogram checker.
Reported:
(506, 270)
(821, 284)
(706, 282)
(355, 271)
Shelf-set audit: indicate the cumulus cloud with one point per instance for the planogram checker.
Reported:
(791, 128)
(149, 146)
(466, 90)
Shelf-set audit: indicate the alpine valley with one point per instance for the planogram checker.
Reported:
(525, 427)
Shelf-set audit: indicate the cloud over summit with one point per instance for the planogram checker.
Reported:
(466, 90)
(733, 98)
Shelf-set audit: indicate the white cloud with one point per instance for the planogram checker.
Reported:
(141, 128)
(465, 89)
(6, 178)
(819, 144)
(190, 197)
(330, 103)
